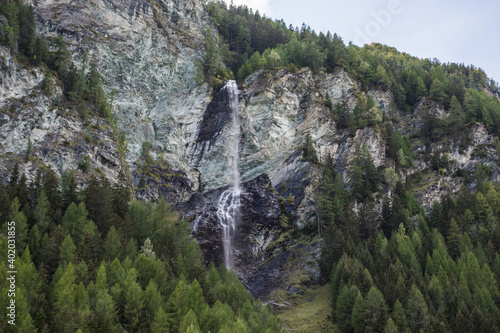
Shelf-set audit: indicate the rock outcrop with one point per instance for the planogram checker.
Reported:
(257, 226)
(35, 130)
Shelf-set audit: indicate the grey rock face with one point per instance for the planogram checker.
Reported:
(214, 136)
(59, 138)
(147, 53)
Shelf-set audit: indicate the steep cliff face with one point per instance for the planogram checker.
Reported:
(147, 53)
(36, 130)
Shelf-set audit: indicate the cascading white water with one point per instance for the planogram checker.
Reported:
(228, 206)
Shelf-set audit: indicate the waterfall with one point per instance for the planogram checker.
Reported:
(228, 206)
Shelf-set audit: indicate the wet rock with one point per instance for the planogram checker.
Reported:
(257, 227)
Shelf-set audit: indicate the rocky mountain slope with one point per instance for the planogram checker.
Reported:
(147, 53)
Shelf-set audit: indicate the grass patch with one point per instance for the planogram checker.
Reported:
(311, 313)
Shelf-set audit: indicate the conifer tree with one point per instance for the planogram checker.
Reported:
(67, 251)
(51, 187)
(112, 245)
(99, 203)
(134, 301)
(189, 322)
(152, 302)
(21, 224)
(358, 314)
(64, 301)
(24, 321)
(22, 193)
(390, 327)
(399, 316)
(160, 323)
(75, 222)
(4, 204)
(68, 186)
(177, 306)
(104, 318)
(195, 298)
(41, 213)
(417, 310)
(376, 312)
(26, 30)
(121, 196)
(345, 303)
(454, 239)
(12, 185)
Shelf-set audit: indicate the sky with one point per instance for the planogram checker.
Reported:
(460, 31)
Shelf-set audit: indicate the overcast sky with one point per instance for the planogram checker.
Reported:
(461, 31)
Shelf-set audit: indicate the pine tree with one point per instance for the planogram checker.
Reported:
(22, 193)
(130, 249)
(41, 213)
(309, 151)
(196, 300)
(99, 203)
(68, 186)
(27, 30)
(345, 303)
(67, 251)
(112, 245)
(160, 323)
(21, 224)
(390, 327)
(417, 310)
(454, 239)
(24, 321)
(51, 187)
(456, 119)
(75, 222)
(437, 91)
(121, 196)
(41, 50)
(363, 174)
(463, 322)
(34, 240)
(12, 185)
(387, 225)
(64, 301)
(177, 306)
(104, 318)
(134, 301)
(4, 204)
(190, 322)
(82, 306)
(358, 314)
(30, 281)
(399, 315)
(152, 302)
(436, 295)
(376, 312)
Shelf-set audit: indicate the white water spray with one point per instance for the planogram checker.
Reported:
(228, 206)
